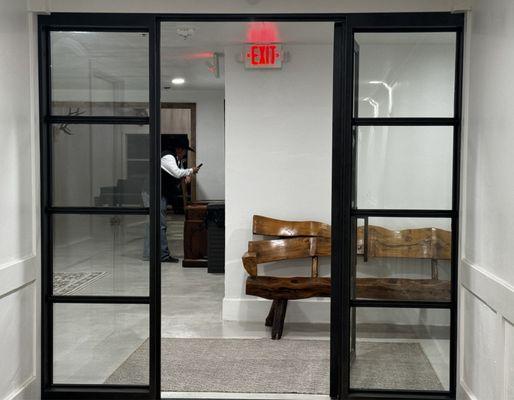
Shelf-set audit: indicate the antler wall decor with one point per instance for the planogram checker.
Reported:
(71, 113)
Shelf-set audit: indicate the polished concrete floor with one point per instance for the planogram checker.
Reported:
(91, 341)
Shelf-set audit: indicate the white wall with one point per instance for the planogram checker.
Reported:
(210, 138)
(487, 267)
(278, 161)
(278, 154)
(19, 261)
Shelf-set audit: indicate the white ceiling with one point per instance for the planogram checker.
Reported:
(81, 60)
(123, 56)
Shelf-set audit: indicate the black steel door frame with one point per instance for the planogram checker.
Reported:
(345, 213)
(102, 23)
(342, 190)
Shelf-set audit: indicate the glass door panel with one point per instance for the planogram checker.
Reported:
(93, 341)
(406, 74)
(405, 167)
(100, 165)
(99, 73)
(403, 259)
(401, 349)
(100, 255)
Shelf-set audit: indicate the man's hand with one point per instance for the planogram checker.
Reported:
(187, 179)
(196, 169)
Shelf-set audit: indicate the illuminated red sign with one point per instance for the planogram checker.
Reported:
(263, 56)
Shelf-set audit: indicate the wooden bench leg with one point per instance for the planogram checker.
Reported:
(271, 314)
(278, 319)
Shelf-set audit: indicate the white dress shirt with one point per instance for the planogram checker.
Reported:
(169, 164)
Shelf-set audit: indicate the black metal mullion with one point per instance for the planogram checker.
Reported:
(336, 306)
(46, 198)
(400, 304)
(459, 57)
(99, 299)
(401, 213)
(399, 394)
(99, 210)
(98, 392)
(404, 121)
(342, 184)
(97, 120)
(155, 197)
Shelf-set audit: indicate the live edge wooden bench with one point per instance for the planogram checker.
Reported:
(310, 239)
(293, 240)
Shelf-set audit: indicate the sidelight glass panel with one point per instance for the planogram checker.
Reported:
(99, 73)
(404, 167)
(401, 349)
(100, 255)
(101, 343)
(100, 165)
(408, 74)
(403, 259)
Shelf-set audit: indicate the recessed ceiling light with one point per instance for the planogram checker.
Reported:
(178, 81)
(185, 32)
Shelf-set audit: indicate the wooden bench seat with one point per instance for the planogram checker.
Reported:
(311, 240)
(293, 240)
(287, 288)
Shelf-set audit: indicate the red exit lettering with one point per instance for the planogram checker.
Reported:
(263, 55)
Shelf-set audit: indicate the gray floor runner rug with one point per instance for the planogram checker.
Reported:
(66, 283)
(275, 366)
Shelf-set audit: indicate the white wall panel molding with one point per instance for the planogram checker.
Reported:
(27, 391)
(465, 393)
(17, 274)
(493, 291)
(487, 320)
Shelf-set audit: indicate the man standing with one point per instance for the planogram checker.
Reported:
(171, 163)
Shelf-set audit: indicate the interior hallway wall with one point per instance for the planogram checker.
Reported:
(487, 266)
(19, 260)
(278, 163)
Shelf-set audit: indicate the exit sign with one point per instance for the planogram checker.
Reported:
(263, 56)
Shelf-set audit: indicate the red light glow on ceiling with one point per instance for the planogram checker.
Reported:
(199, 56)
(262, 32)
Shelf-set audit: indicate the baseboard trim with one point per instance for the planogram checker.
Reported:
(465, 392)
(16, 274)
(27, 391)
(256, 310)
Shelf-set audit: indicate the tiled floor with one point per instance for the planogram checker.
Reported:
(91, 341)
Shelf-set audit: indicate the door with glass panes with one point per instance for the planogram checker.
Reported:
(98, 145)
(398, 205)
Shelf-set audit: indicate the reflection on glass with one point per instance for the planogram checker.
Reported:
(403, 259)
(409, 74)
(100, 255)
(99, 165)
(93, 343)
(401, 349)
(404, 167)
(99, 73)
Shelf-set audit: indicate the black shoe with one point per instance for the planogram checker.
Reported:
(169, 259)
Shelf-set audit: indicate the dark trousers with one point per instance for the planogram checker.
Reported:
(165, 251)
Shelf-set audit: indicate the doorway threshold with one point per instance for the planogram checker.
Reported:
(243, 396)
